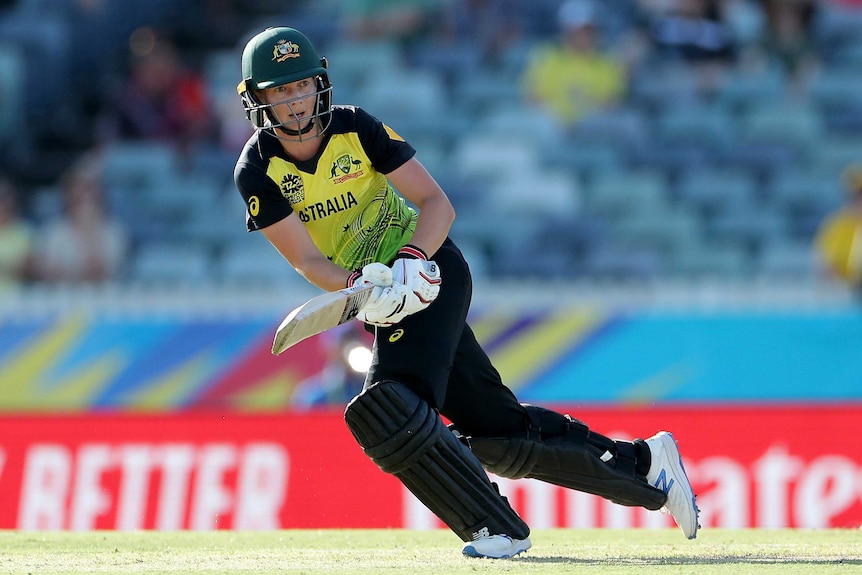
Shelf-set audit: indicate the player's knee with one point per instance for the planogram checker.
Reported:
(394, 426)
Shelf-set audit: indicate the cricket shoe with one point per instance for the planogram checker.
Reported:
(496, 547)
(667, 473)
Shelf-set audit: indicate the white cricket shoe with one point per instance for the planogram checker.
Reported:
(667, 473)
(496, 547)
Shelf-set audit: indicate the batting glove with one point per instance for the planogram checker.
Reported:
(375, 274)
(386, 306)
(421, 276)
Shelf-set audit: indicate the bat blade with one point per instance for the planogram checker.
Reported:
(319, 314)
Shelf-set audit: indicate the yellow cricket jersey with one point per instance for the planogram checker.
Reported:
(839, 243)
(352, 213)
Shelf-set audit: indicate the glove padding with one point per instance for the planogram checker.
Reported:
(387, 305)
(422, 277)
(375, 274)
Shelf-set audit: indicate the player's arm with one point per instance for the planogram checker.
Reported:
(436, 213)
(292, 241)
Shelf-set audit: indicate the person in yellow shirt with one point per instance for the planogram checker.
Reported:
(16, 239)
(839, 239)
(572, 77)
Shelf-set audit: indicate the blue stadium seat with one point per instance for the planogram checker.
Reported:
(171, 264)
(749, 226)
(483, 156)
(12, 70)
(622, 263)
(787, 260)
(706, 260)
(711, 129)
(835, 92)
(618, 194)
(584, 158)
(671, 158)
(139, 167)
(659, 87)
(805, 197)
(448, 59)
(713, 191)
(626, 127)
(833, 155)
(349, 61)
(254, 263)
(545, 193)
(797, 126)
(476, 93)
(743, 90)
(663, 232)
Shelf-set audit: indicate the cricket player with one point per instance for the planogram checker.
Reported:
(326, 185)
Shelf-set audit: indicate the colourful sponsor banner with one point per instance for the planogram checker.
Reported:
(758, 466)
(157, 362)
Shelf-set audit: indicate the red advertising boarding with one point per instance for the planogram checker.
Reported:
(752, 466)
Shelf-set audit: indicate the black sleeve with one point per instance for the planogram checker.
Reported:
(386, 149)
(264, 204)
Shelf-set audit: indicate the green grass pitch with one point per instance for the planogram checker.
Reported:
(555, 551)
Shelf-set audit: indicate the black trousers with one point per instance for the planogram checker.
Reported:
(435, 353)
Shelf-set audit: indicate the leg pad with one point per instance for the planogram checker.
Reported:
(405, 437)
(570, 456)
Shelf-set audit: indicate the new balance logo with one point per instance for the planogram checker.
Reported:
(481, 533)
(662, 483)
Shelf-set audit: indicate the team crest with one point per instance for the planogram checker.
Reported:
(284, 50)
(292, 189)
(343, 164)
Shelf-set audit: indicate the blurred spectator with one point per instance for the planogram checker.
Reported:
(692, 31)
(16, 239)
(493, 26)
(746, 20)
(789, 36)
(348, 357)
(400, 20)
(839, 240)
(573, 76)
(83, 244)
(161, 99)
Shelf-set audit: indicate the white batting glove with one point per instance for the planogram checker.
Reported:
(375, 274)
(386, 306)
(421, 276)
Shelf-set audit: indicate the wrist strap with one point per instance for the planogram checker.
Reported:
(353, 277)
(411, 252)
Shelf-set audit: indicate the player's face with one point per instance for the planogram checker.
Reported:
(293, 104)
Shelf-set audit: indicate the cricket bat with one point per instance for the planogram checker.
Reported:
(319, 314)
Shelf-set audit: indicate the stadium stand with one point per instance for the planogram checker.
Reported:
(726, 182)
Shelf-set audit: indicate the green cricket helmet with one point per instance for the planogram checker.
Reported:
(279, 56)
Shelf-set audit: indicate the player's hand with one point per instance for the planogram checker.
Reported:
(375, 274)
(387, 305)
(421, 276)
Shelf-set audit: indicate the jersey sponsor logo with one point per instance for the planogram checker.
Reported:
(343, 165)
(254, 206)
(285, 49)
(292, 189)
(396, 335)
(320, 210)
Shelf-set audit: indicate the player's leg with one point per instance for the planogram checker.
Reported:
(405, 437)
(514, 441)
(395, 420)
